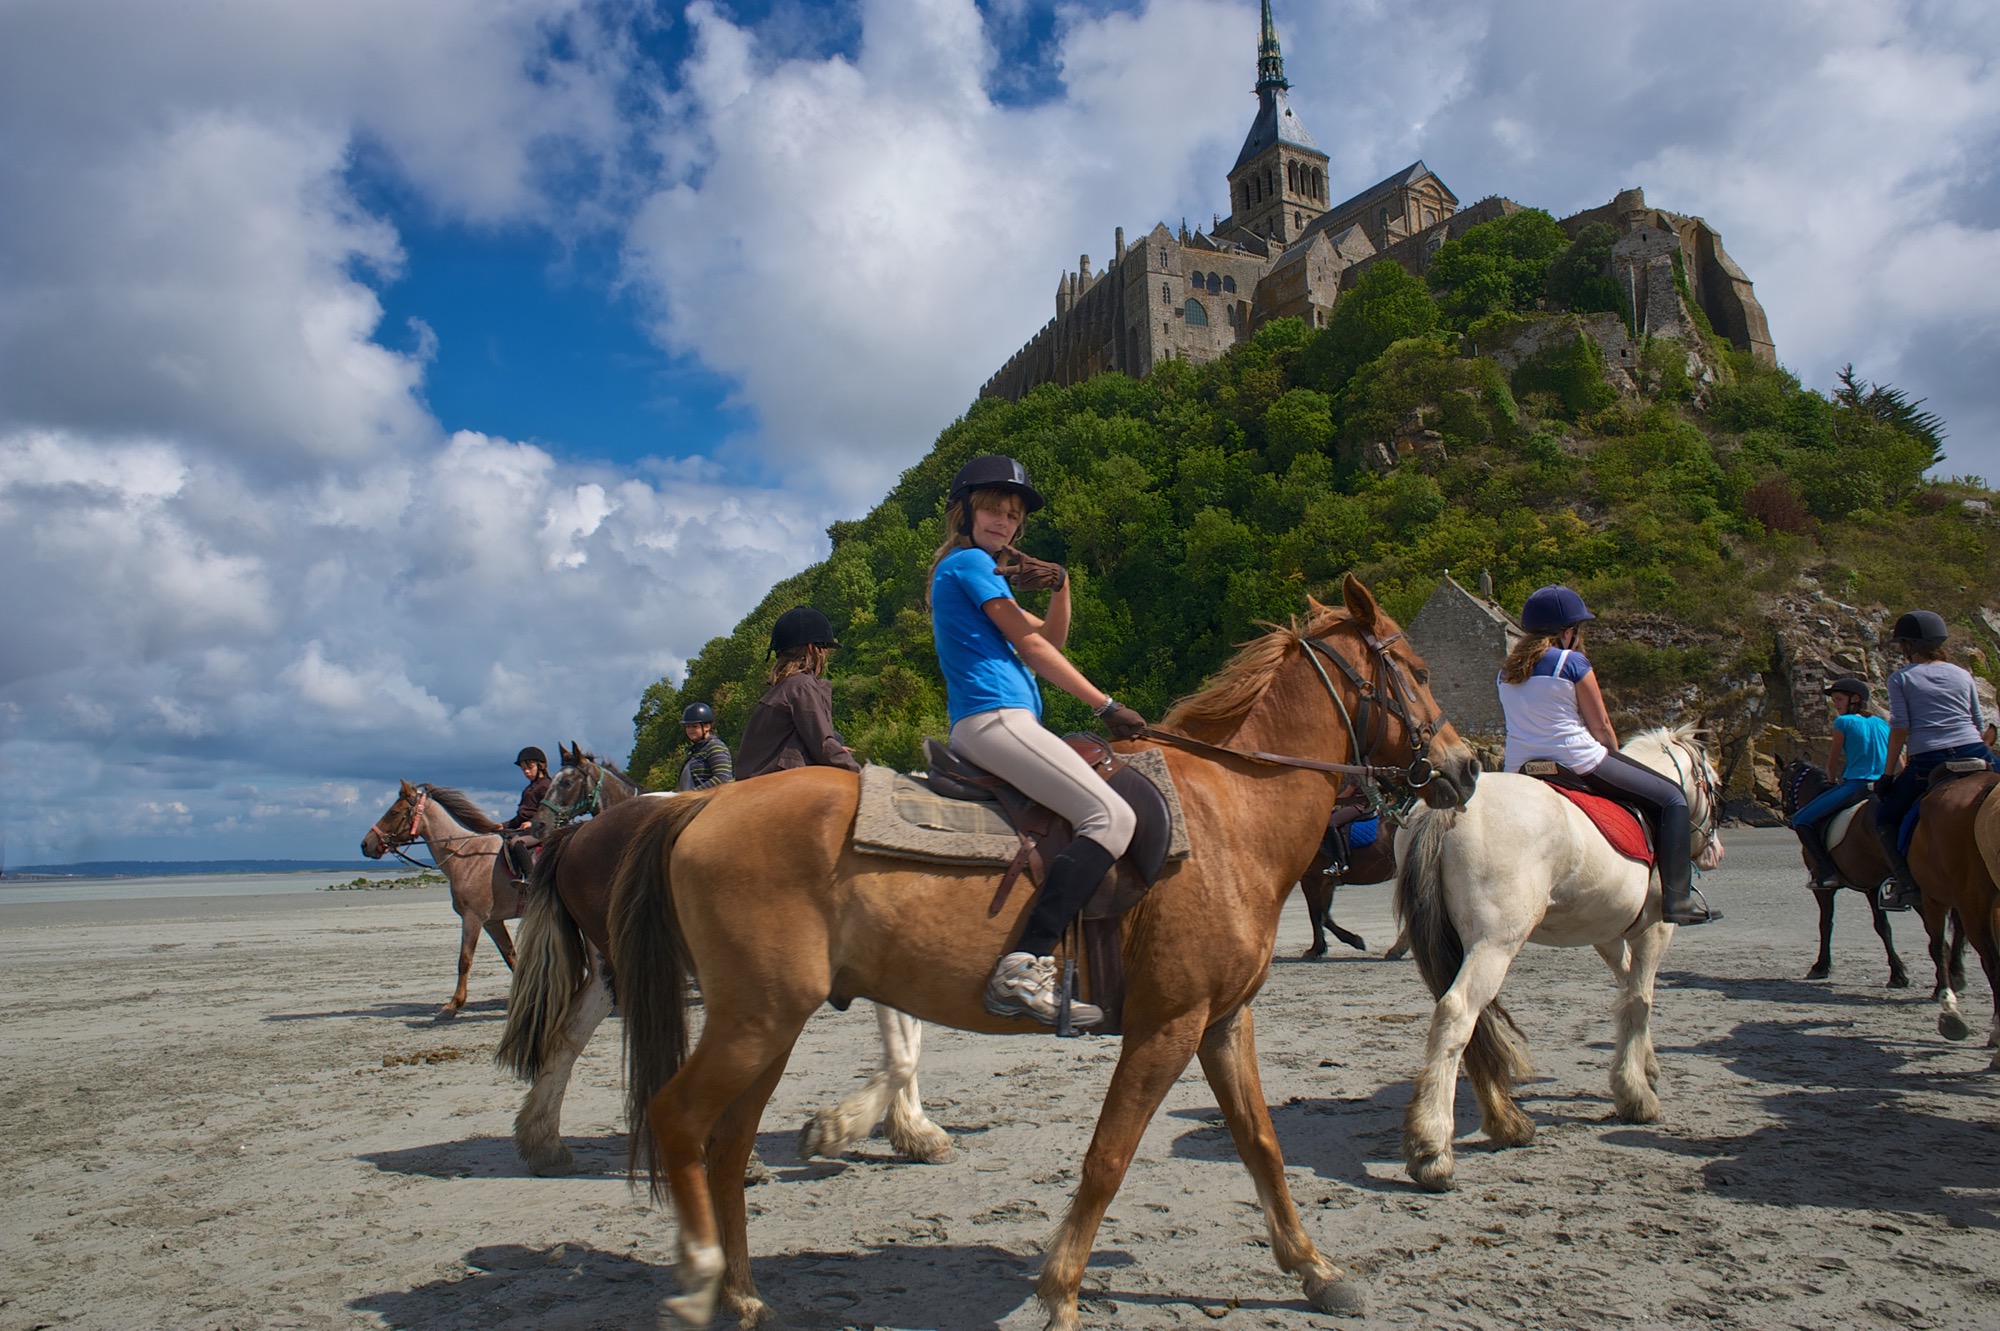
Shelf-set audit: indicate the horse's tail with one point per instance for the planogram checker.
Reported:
(551, 970)
(649, 955)
(1495, 1055)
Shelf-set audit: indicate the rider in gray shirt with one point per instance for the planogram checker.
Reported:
(1935, 703)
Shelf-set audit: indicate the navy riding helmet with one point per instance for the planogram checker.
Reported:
(799, 627)
(697, 714)
(1925, 627)
(531, 754)
(1553, 609)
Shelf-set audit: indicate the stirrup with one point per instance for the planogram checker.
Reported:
(1709, 914)
(1892, 895)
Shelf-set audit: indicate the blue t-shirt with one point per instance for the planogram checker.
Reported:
(981, 671)
(1864, 745)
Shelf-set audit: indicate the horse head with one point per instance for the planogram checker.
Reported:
(399, 825)
(1679, 754)
(1803, 782)
(1405, 726)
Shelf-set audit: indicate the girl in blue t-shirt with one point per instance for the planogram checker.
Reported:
(991, 650)
(1853, 760)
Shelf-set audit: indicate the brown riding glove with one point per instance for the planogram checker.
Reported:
(1032, 574)
(1121, 721)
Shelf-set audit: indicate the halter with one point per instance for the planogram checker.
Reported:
(590, 804)
(1394, 699)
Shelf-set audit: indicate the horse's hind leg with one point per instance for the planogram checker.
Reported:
(538, 1125)
(497, 931)
(1229, 1057)
(910, 1131)
(1947, 944)
(1823, 966)
(1317, 889)
(729, 1150)
(1429, 1123)
(1899, 978)
(1635, 1069)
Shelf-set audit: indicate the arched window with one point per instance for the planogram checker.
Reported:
(1197, 317)
(1194, 280)
(1214, 283)
(1166, 293)
(1298, 218)
(1163, 258)
(1292, 176)
(1430, 218)
(1229, 284)
(1319, 184)
(1229, 313)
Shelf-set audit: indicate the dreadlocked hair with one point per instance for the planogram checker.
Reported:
(807, 659)
(1521, 661)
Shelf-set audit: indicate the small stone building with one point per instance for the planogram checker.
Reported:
(1464, 636)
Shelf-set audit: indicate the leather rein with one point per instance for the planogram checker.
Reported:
(1395, 699)
(416, 834)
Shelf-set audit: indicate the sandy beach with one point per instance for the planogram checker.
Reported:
(241, 1113)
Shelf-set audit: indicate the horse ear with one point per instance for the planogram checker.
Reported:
(409, 789)
(1359, 602)
(576, 750)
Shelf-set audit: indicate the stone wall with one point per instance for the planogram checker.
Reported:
(1464, 639)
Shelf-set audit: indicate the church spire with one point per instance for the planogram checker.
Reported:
(1270, 60)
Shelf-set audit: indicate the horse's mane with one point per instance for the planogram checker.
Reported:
(464, 810)
(1235, 689)
(613, 768)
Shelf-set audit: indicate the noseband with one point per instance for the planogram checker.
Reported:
(587, 805)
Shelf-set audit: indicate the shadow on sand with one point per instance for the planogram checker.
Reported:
(417, 1016)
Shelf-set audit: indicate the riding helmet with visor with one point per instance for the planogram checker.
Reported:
(697, 714)
(1550, 610)
(801, 626)
(1852, 685)
(531, 754)
(994, 472)
(1924, 627)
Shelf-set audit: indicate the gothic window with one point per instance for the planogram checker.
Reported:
(1229, 312)
(1166, 292)
(1194, 280)
(1430, 218)
(1229, 284)
(1298, 218)
(1197, 317)
(1163, 258)
(1214, 283)
(1319, 184)
(1292, 176)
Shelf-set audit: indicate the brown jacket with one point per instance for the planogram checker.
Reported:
(792, 726)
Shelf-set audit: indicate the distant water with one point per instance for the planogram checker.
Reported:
(184, 885)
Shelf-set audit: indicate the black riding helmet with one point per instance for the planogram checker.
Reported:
(697, 714)
(994, 472)
(531, 754)
(1852, 685)
(799, 627)
(1925, 627)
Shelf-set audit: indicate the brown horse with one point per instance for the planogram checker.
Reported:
(759, 888)
(464, 844)
(1954, 855)
(1863, 867)
(1372, 863)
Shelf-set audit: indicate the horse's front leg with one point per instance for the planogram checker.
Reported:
(1823, 965)
(1899, 978)
(538, 1125)
(1229, 1058)
(1317, 889)
(1945, 957)
(910, 1131)
(1428, 1123)
(1153, 1056)
(468, 943)
(1635, 1069)
(496, 929)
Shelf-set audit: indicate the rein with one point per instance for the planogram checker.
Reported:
(1394, 699)
(416, 834)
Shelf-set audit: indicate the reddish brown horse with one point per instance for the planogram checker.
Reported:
(464, 844)
(758, 886)
(1954, 856)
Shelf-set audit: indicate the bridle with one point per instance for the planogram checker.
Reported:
(1711, 807)
(1395, 697)
(589, 804)
(394, 845)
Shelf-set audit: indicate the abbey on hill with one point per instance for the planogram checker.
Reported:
(1285, 252)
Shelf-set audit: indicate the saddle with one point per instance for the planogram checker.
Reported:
(1627, 827)
(1095, 938)
(1949, 770)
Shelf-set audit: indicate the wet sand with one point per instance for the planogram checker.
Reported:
(241, 1113)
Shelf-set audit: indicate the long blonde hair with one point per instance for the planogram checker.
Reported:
(807, 658)
(958, 524)
(1521, 661)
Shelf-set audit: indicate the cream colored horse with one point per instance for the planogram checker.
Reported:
(1522, 864)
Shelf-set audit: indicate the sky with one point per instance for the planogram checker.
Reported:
(384, 387)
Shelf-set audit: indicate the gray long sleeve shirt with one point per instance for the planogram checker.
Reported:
(1935, 704)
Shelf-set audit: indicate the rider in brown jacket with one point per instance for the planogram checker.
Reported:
(792, 724)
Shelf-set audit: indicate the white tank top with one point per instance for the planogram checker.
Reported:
(1542, 722)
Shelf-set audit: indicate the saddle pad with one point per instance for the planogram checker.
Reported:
(1620, 826)
(901, 816)
(1837, 824)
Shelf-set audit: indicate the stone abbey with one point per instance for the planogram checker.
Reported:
(1285, 251)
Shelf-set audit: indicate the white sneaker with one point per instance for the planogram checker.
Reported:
(1025, 985)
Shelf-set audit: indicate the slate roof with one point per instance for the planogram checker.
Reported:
(1275, 123)
(1409, 175)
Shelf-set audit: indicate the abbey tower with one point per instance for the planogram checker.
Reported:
(1285, 252)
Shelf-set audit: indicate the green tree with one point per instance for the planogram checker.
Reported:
(1385, 306)
(1496, 266)
(1580, 277)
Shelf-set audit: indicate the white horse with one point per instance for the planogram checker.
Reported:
(1522, 864)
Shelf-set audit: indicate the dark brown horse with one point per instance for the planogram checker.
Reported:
(1862, 865)
(1954, 855)
(1372, 863)
(465, 845)
(759, 887)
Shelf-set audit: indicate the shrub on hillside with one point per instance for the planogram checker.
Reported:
(1580, 277)
(1572, 373)
(1498, 265)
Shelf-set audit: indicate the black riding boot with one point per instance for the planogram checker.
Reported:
(1680, 903)
(1900, 892)
(1825, 873)
(1024, 983)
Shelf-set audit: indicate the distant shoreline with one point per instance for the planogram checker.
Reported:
(101, 870)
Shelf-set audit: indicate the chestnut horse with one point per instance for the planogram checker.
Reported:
(465, 845)
(1954, 856)
(1862, 867)
(758, 887)
(562, 987)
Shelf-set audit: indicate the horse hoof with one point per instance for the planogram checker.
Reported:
(1952, 1026)
(552, 1164)
(940, 1155)
(1819, 972)
(1899, 981)
(686, 1312)
(1338, 1297)
(1313, 953)
(1432, 1173)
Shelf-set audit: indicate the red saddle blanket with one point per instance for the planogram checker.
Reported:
(1621, 827)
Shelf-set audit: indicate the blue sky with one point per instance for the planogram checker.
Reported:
(383, 387)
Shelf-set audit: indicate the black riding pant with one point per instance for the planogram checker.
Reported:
(1619, 778)
(1909, 785)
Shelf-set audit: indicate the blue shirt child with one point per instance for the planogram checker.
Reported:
(981, 671)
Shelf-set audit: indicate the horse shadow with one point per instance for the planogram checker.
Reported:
(1847, 1132)
(416, 1016)
(510, 1284)
(1774, 989)
(495, 1157)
